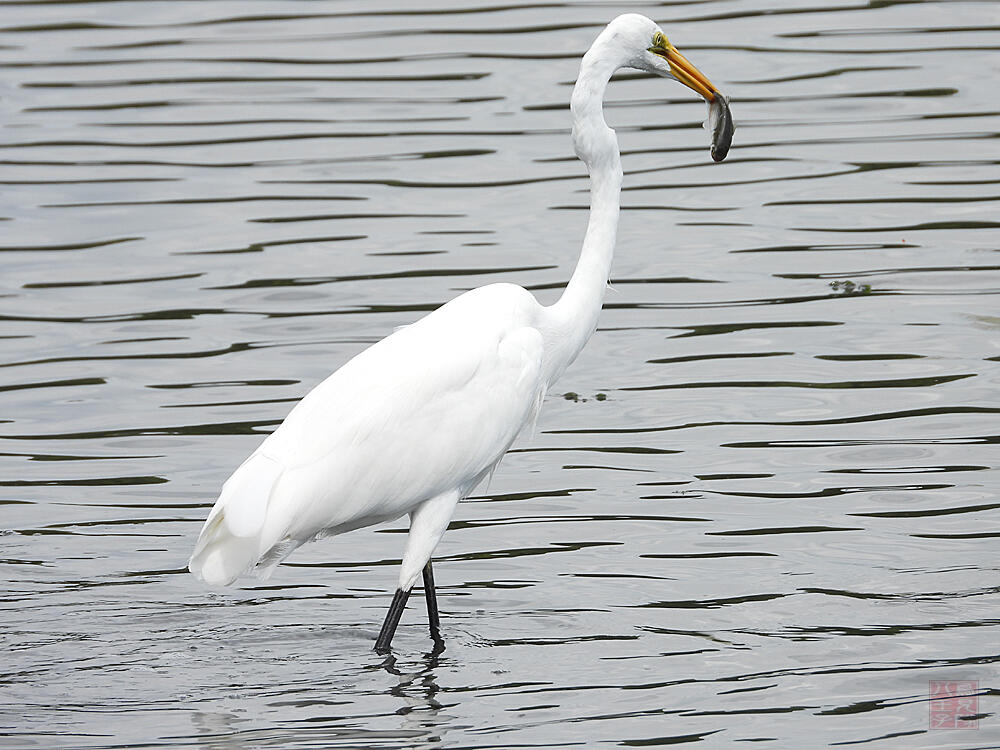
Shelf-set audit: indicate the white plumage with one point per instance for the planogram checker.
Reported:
(412, 424)
(425, 413)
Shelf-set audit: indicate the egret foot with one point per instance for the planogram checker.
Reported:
(384, 639)
(432, 607)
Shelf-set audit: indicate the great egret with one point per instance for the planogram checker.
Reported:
(412, 424)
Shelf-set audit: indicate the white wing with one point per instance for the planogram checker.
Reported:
(430, 409)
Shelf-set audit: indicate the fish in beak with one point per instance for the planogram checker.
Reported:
(720, 119)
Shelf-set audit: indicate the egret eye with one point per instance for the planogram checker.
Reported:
(659, 41)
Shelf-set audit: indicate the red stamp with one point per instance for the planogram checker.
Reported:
(954, 704)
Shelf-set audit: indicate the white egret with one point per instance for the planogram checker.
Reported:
(414, 423)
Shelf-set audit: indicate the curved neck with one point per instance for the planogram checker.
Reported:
(574, 315)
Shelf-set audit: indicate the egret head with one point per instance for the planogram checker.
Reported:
(647, 48)
(634, 41)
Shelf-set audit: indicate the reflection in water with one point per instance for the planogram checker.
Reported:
(417, 690)
(777, 523)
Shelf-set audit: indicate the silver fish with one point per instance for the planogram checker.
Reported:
(720, 122)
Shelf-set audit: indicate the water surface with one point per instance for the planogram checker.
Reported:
(767, 510)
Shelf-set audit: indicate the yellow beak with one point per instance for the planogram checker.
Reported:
(685, 72)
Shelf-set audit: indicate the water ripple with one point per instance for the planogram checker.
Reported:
(761, 506)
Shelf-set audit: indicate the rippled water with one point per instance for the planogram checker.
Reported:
(764, 512)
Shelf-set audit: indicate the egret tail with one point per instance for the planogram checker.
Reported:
(230, 544)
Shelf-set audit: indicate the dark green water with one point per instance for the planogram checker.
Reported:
(779, 526)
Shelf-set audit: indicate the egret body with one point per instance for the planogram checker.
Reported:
(415, 422)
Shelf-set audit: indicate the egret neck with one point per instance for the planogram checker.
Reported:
(574, 316)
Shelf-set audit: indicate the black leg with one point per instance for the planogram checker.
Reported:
(432, 606)
(391, 621)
